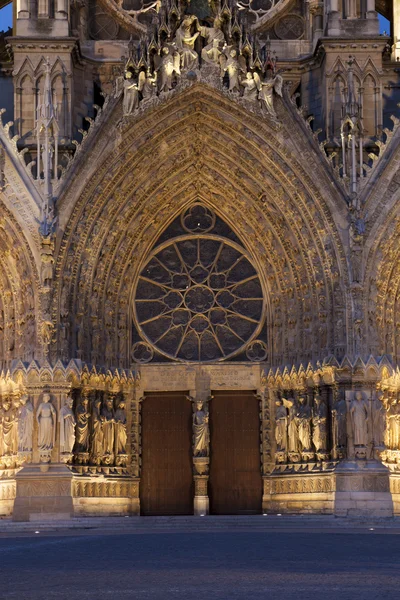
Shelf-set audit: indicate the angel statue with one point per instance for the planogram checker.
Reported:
(266, 91)
(167, 65)
(131, 94)
(250, 86)
(234, 65)
(185, 43)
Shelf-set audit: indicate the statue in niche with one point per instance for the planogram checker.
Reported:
(303, 418)
(82, 415)
(319, 421)
(234, 66)
(378, 420)
(120, 429)
(149, 87)
(293, 433)
(250, 86)
(25, 425)
(281, 422)
(46, 419)
(67, 422)
(185, 40)
(108, 421)
(131, 94)
(272, 84)
(359, 419)
(167, 68)
(15, 411)
(96, 444)
(201, 432)
(393, 423)
(215, 39)
(339, 425)
(7, 420)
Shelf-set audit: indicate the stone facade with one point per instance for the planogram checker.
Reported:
(198, 198)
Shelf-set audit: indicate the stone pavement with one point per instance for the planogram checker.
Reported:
(215, 558)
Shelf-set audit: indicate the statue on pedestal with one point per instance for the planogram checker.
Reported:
(339, 426)
(201, 433)
(303, 418)
(7, 421)
(96, 443)
(25, 425)
(82, 426)
(281, 421)
(120, 429)
(359, 419)
(378, 420)
(46, 419)
(67, 422)
(319, 421)
(108, 421)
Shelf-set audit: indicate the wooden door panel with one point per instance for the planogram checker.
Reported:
(235, 473)
(166, 486)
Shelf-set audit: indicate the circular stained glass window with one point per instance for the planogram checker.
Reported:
(198, 297)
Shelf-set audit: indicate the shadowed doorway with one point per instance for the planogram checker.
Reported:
(235, 466)
(166, 486)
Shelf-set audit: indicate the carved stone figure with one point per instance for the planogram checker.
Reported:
(359, 419)
(281, 421)
(25, 425)
(108, 420)
(67, 422)
(211, 54)
(293, 433)
(319, 421)
(131, 94)
(185, 40)
(215, 40)
(82, 425)
(378, 420)
(46, 419)
(303, 418)
(96, 443)
(120, 429)
(168, 67)
(250, 87)
(267, 89)
(339, 424)
(234, 66)
(7, 419)
(201, 434)
(149, 88)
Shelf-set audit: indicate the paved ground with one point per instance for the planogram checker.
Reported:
(278, 564)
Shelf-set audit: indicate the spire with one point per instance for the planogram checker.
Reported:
(352, 133)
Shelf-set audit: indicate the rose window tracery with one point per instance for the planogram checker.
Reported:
(198, 297)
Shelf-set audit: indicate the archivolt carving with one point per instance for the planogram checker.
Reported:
(212, 150)
(19, 287)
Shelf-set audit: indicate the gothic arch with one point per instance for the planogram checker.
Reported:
(201, 146)
(19, 294)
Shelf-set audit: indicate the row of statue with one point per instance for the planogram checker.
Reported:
(183, 55)
(353, 427)
(98, 436)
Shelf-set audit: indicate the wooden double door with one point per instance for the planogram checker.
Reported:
(235, 485)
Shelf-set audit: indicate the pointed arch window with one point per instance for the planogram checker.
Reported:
(198, 297)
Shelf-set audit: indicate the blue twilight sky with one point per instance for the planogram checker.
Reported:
(6, 20)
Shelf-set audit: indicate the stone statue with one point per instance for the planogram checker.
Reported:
(25, 425)
(15, 413)
(46, 419)
(267, 88)
(250, 87)
(281, 421)
(234, 66)
(7, 419)
(96, 443)
(378, 420)
(168, 66)
(215, 40)
(211, 54)
(120, 429)
(201, 433)
(293, 433)
(149, 86)
(131, 94)
(185, 40)
(108, 420)
(82, 415)
(339, 425)
(359, 419)
(393, 424)
(67, 422)
(303, 418)
(319, 421)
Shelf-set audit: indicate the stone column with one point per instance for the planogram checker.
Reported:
(200, 398)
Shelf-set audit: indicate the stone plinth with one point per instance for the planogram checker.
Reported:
(362, 489)
(43, 495)
(311, 493)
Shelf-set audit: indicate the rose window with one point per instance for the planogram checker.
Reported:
(198, 297)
